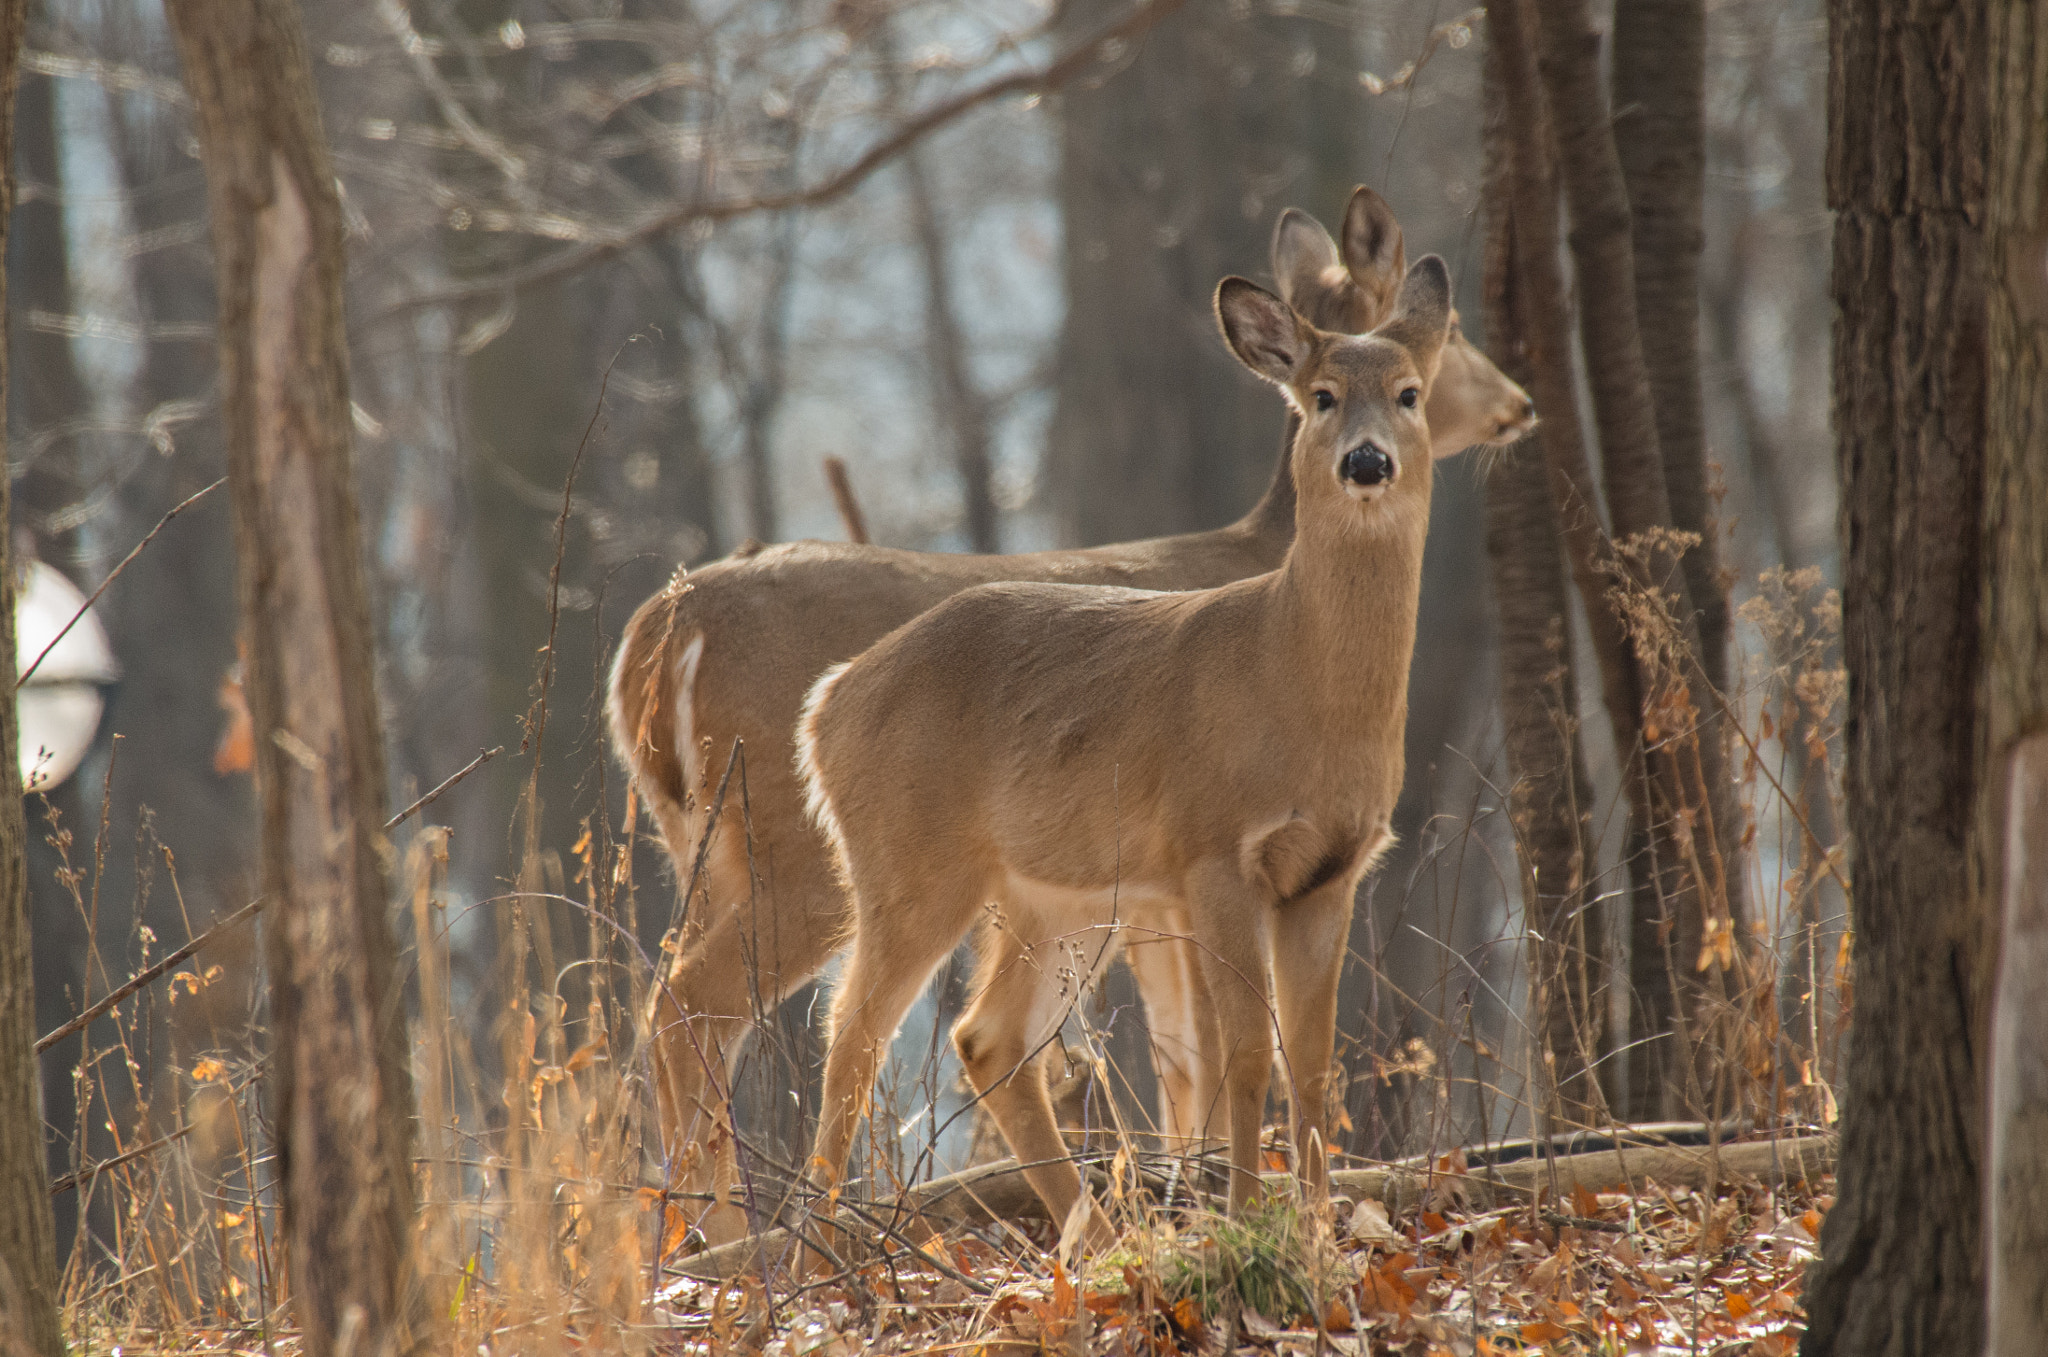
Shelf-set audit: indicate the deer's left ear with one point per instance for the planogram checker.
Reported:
(1262, 330)
(1422, 317)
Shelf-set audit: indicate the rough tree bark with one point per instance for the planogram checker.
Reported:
(343, 1087)
(1659, 61)
(28, 1251)
(1546, 311)
(1696, 883)
(1539, 694)
(1901, 1263)
(2015, 711)
(1169, 164)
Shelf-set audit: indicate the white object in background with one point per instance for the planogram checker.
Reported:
(60, 706)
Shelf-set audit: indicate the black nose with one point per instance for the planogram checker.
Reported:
(1528, 409)
(1367, 465)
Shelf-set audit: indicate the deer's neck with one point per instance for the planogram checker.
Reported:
(1271, 520)
(1346, 608)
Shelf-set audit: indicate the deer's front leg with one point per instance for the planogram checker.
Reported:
(1309, 939)
(1232, 925)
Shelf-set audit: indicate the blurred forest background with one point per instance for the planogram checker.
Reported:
(1004, 331)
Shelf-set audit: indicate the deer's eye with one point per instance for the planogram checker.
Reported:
(1325, 400)
(1410, 395)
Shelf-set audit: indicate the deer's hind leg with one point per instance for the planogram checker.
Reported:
(747, 949)
(900, 939)
(1180, 1021)
(1022, 995)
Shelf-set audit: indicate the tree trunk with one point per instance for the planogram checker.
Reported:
(1901, 1266)
(1168, 180)
(343, 1087)
(2012, 819)
(1659, 60)
(28, 1253)
(1551, 795)
(1697, 885)
(1546, 315)
(961, 408)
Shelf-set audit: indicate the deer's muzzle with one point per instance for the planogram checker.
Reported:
(1367, 466)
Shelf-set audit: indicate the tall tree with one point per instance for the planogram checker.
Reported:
(28, 1256)
(1696, 884)
(1551, 795)
(1162, 161)
(1659, 77)
(1901, 1263)
(343, 1084)
(2015, 714)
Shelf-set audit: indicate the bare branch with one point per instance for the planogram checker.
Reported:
(114, 574)
(1060, 71)
(842, 497)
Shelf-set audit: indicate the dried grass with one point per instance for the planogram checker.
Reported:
(540, 1232)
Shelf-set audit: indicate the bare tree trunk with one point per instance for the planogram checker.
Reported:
(2012, 823)
(28, 1253)
(344, 1095)
(769, 383)
(1551, 795)
(962, 409)
(1169, 168)
(1901, 1265)
(1697, 880)
(1659, 61)
(1546, 316)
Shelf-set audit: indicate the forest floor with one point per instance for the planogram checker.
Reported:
(1660, 1270)
(1651, 1272)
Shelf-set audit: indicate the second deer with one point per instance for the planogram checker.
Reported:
(1101, 762)
(727, 653)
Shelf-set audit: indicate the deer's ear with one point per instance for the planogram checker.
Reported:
(1422, 316)
(1302, 253)
(1374, 252)
(1262, 330)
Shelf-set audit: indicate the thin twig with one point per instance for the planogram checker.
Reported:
(1043, 80)
(114, 574)
(87, 1174)
(144, 976)
(435, 795)
(842, 497)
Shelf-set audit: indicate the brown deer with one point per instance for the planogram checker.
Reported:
(727, 653)
(1098, 760)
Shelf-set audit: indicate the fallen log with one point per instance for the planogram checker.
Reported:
(999, 1191)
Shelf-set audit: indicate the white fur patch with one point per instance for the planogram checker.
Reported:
(816, 803)
(686, 709)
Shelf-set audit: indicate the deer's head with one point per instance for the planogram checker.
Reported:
(1361, 397)
(1352, 289)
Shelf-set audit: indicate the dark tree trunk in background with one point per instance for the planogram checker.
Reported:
(1163, 163)
(44, 392)
(343, 1083)
(962, 410)
(2016, 664)
(1551, 795)
(28, 1254)
(1696, 883)
(1545, 310)
(1902, 1269)
(1659, 61)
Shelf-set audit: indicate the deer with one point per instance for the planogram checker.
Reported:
(1047, 766)
(726, 654)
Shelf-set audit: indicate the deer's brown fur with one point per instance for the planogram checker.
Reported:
(1090, 758)
(727, 653)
